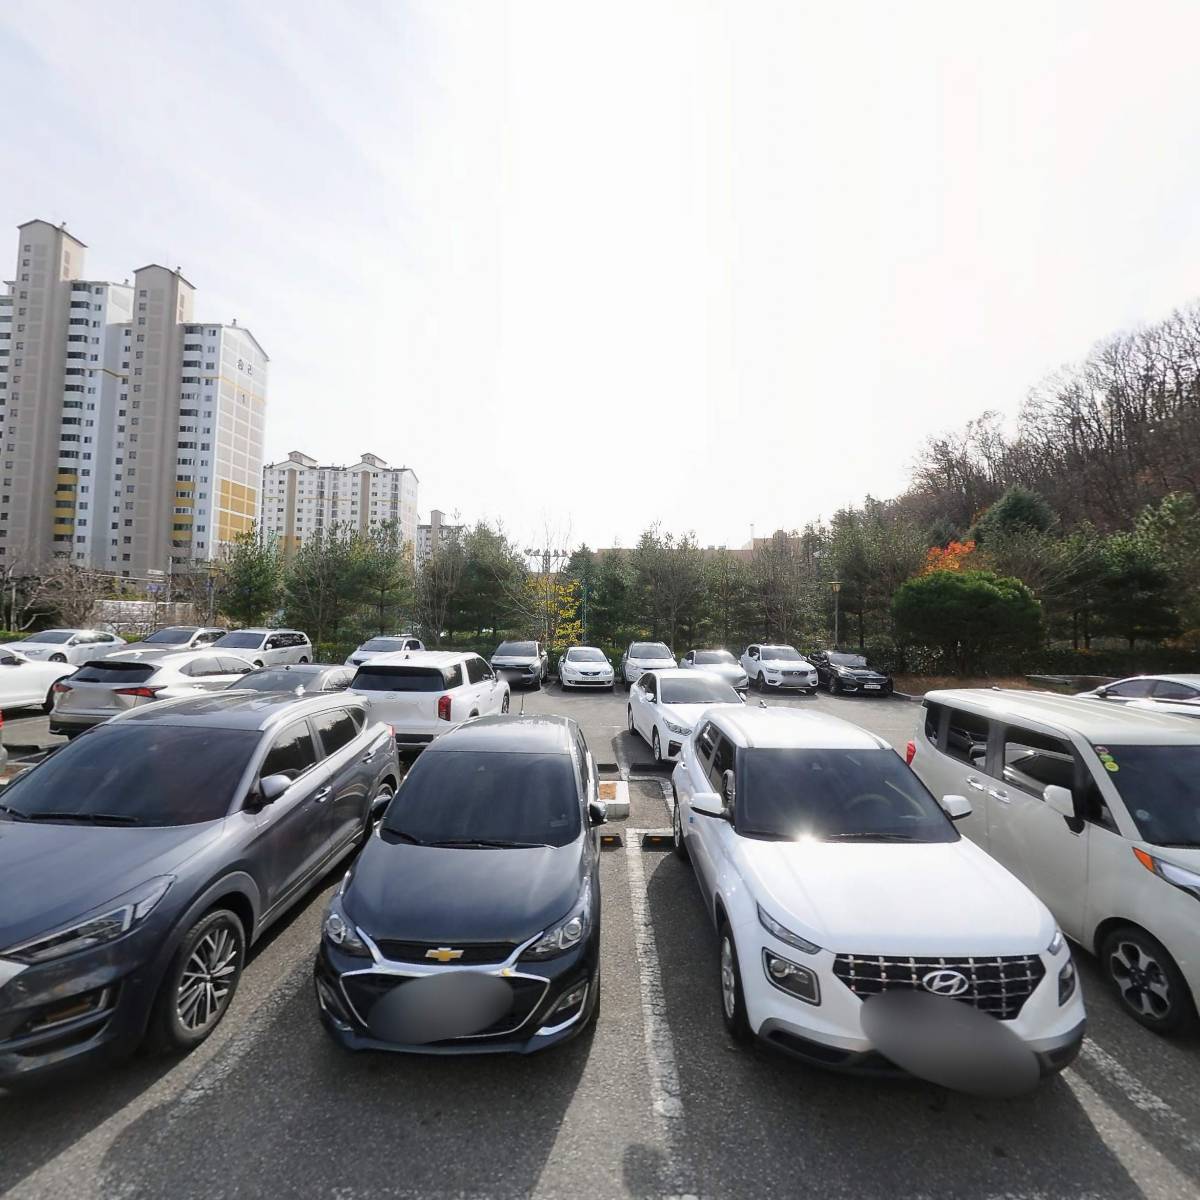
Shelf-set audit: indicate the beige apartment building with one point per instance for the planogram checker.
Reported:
(132, 433)
(301, 497)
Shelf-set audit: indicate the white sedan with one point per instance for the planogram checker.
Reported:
(72, 646)
(28, 684)
(664, 706)
(585, 667)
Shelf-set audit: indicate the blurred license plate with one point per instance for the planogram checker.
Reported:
(871, 687)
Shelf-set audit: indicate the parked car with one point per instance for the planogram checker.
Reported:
(778, 667)
(423, 694)
(833, 876)
(301, 678)
(471, 921)
(664, 707)
(841, 672)
(25, 683)
(101, 690)
(178, 637)
(142, 861)
(717, 662)
(522, 662)
(1096, 807)
(72, 646)
(267, 647)
(1181, 689)
(386, 644)
(645, 656)
(585, 667)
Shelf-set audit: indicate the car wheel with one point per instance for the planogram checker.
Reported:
(304, 658)
(835, 685)
(58, 658)
(761, 682)
(199, 984)
(1148, 983)
(656, 748)
(677, 830)
(380, 801)
(504, 703)
(629, 718)
(258, 664)
(48, 705)
(733, 1002)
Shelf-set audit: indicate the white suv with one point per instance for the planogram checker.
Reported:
(422, 694)
(642, 657)
(1096, 807)
(833, 877)
(267, 647)
(768, 666)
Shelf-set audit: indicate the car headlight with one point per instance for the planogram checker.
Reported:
(1068, 981)
(126, 912)
(682, 730)
(784, 934)
(771, 670)
(339, 929)
(1181, 877)
(567, 933)
(1056, 942)
(792, 978)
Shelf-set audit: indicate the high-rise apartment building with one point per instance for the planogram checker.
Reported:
(435, 533)
(132, 434)
(300, 497)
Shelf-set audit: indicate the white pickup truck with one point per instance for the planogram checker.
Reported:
(422, 694)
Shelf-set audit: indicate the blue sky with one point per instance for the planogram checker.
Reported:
(585, 266)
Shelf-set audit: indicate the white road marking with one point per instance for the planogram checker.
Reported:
(665, 1097)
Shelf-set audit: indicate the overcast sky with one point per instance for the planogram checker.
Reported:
(595, 265)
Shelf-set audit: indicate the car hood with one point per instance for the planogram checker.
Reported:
(428, 894)
(890, 898)
(54, 873)
(510, 660)
(586, 666)
(651, 664)
(728, 671)
(788, 664)
(858, 672)
(688, 714)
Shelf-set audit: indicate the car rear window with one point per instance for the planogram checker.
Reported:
(113, 672)
(398, 679)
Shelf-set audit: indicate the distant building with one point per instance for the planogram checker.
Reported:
(435, 533)
(300, 497)
(132, 434)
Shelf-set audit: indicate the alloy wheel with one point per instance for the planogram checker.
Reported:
(1141, 980)
(728, 979)
(656, 748)
(504, 705)
(208, 979)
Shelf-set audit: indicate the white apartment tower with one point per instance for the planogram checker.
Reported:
(300, 497)
(132, 434)
(436, 533)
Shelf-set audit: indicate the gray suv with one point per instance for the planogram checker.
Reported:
(141, 861)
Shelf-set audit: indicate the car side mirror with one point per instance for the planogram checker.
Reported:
(708, 803)
(272, 787)
(956, 807)
(1060, 800)
(597, 812)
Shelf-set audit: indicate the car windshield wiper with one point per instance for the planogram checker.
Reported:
(88, 817)
(868, 837)
(487, 844)
(13, 812)
(404, 837)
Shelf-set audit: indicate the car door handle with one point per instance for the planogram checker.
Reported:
(370, 754)
(997, 794)
(323, 795)
(977, 784)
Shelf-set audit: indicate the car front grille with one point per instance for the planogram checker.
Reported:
(472, 952)
(999, 986)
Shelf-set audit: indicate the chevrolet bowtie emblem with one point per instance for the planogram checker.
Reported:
(444, 954)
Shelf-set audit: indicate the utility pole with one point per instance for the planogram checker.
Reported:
(837, 587)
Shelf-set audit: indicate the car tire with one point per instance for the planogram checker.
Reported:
(258, 664)
(48, 703)
(304, 658)
(760, 682)
(217, 942)
(835, 686)
(656, 747)
(733, 1000)
(629, 720)
(680, 847)
(1149, 986)
(382, 798)
(504, 703)
(62, 658)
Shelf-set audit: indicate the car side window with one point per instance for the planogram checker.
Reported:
(272, 643)
(967, 737)
(585, 769)
(474, 670)
(412, 644)
(358, 717)
(7, 659)
(933, 722)
(649, 685)
(1131, 688)
(1032, 760)
(292, 754)
(706, 742)
(722, 761)
(200, 667)
(454, 675)
(335, 729)
(234, 666)
(336, 680)
(1165, 689)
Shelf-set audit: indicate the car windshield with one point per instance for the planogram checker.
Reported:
(241, 639)
(279, 680)
(847, 660)
(649, 650)
(696, 689)
(384, 644)
(1158, 786)
(465, 796)
(517, 649)
(710, 658)
(169, 637)
(780, 654)
(585, 654)
(398, 679)
(836, 795)
(57, 636)
(136, 774)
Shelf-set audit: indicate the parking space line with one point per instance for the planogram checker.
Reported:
(666, 1100)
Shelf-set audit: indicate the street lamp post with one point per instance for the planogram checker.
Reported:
(837, 587)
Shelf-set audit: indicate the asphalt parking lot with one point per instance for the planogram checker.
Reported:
(657, 1101)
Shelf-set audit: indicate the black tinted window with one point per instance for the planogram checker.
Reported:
(454, 676)
(156, 775)
(474, 670)
(933, 722)
(240, 640)
(336, 729)
(649, 685)
(398, 679)
(292, 754)
(461, 796)
(831, 794)
(201, 666)
(1166, 689)
(722, 761)
(1158, 785)
(967, 737)
(706, 740)
(113, 672)
(1032, 760)
(169, 637)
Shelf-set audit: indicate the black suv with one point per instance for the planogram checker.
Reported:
(139, 863)
(841, 671)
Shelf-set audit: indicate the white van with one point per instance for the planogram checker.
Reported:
(1097, 808)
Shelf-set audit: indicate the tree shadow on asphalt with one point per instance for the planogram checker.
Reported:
(758, 1121)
